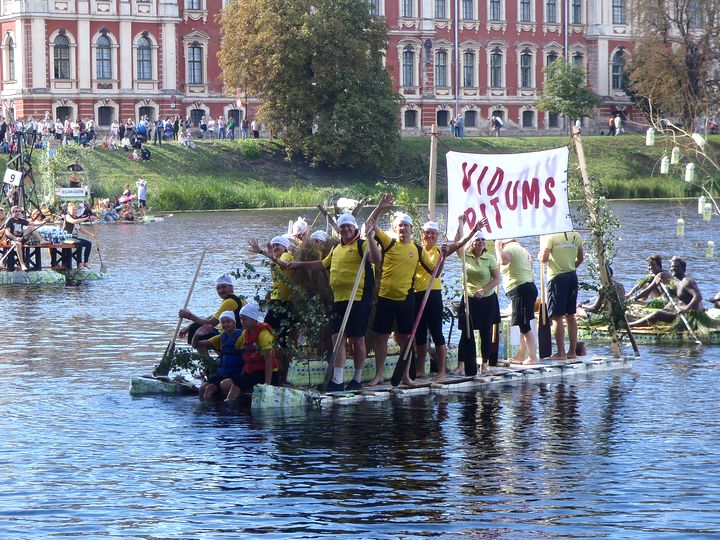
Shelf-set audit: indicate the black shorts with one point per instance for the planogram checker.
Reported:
(432, 318)
(247, 381)
(562, 294)
(193, 328)
(523, 303)
(389, 311)
(357, 321)
(142, 203)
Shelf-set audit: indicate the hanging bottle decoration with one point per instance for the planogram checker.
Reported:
(650, 137)
(710, 250)
(665, 165)
(699, 140)
(689, 172)
(675, 156)
(707, 211)
(701, 204)
(680, 227)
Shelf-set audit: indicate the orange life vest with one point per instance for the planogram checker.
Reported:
(252, 356)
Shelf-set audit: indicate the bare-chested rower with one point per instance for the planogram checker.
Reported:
(688, 294)
(650, 288)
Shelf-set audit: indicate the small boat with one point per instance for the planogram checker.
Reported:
(49, 277)
(151, 385)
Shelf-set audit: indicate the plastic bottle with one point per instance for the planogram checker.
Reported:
(689, 172)
(701, 204)
(710, 249)
(665, 165)
(680, 227)
(707, 212)
(675, 156)
(650, 137)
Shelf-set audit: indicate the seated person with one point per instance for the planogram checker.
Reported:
(649, 287)
(126, 213)
(688, 295)
(229, 371)
(598, 303)
(84, 212)
(15, 232)
(135, 156)
(74, 179)
(125, 143)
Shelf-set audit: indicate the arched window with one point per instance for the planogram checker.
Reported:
(578, 59)
(147, 111)
(408, 78)
(441, 68)
(10, 51)
(63, 113)
(618, 11)
(528, 119)
(526, 79)
(196, 115)
(442, 118)
(577, 11)
(105, 115)
(471, 119)
(496, 62)
(61, 57)
(103, 64)
(195, 63)
(550, 58)
(144, 59)
(618, 71)
(468, 69)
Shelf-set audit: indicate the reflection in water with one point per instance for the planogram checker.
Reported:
(621, 455)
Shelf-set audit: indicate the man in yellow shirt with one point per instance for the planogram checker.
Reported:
(518, 282)
(395, 304)
(203, 328)
(563, 253)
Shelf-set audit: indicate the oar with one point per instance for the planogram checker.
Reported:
(340, 341)
(163, 368)
(406, 352)
(103, 268)
(544, 333)
(467, 348)
(681, 315)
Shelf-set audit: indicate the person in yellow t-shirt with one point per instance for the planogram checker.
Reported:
(203, 328)
(563, 253)
(280, 312)
(343, 262)
(395, 304)
(432, 316)
(483, 276)
(518, 282)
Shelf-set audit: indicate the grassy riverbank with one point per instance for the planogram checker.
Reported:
(255, 173)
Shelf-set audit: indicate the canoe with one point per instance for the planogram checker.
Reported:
(49, 277)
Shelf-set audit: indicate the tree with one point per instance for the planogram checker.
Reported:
(565, 91)
(317, 67)
(673, 70)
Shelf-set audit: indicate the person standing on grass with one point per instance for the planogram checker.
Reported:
(518, 282)
(244, 126)
(221, 124)
(563, 253)
(231, 129)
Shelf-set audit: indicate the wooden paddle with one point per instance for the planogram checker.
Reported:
(103, 268)
(681, 315)
(163, 368)
(407, 353)
(340, 341)
(544, 326)
(467, 348)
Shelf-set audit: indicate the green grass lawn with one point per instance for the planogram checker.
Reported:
(256, 174)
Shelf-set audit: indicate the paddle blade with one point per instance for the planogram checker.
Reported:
(163, 368)
(397, 375)
(544, 333)
(467, 354)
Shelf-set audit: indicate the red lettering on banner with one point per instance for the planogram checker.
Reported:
(511, 195)
(549, 185)
(470, 217)
(482, 177)
(531, 193)
(484, 215)
(498, 218)
(496, 181)
(467, 175)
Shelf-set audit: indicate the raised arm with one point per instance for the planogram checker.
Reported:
(504, 257)
(457, 245)
(374, 255)
(386, 202)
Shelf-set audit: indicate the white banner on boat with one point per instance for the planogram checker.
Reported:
(519, 194)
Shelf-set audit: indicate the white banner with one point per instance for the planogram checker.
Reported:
(519, 194)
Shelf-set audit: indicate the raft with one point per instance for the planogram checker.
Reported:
(49, 277)
(150, 385)
(650, 335)
(267, 397)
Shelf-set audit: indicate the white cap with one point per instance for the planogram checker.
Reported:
(227, 315)
(252, 311)
(402, 217)
(478, 236)
(225, 279)
(347, 219)
(284, 242)
(319, 235)
(431, 226)
(300, 226)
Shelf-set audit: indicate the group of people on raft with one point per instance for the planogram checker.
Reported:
(247, 343)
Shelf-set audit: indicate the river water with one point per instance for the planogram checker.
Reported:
(632, 454)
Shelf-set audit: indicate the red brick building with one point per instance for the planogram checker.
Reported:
(119, 59)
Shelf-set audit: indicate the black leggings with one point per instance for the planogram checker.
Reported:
(484, 313)
(432, 318)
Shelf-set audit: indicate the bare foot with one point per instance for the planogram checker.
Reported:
(407, 381)
(439, 377)
(375, 381)
(23, 268)
(558, 356)
(517, 360)
(571, 356)
(420, 375)
(484, 368)
(530, 362)
(460, 370)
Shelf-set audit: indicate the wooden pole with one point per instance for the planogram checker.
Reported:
(602, 260)
(432, 179)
